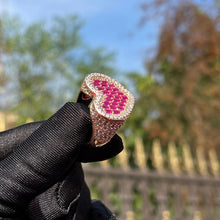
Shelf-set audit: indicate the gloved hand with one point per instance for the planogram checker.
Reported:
(40, 171)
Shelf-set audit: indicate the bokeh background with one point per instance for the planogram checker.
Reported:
(166, 52)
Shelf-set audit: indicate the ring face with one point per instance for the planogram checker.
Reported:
(111, 105)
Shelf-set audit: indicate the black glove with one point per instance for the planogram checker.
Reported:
(41, 178)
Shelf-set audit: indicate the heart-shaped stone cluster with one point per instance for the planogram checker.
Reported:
(110, 98)
(115, 100)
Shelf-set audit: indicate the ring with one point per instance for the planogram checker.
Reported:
(110, 105)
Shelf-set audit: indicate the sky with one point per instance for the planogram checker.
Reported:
(110, 24)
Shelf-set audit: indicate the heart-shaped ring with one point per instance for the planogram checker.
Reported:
(110, 105)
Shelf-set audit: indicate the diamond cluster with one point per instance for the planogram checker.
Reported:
(111, 106)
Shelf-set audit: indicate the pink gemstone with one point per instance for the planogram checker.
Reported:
(96, 83)
(114, 103)
(109, 98)
(121, 108)
(124, 97)
(104, 83)
(106, 92)
(111, 85)
(96, 80)
(120, 93)
(108, 111)
(113, 107)
(100, 88)
(116, 112)
(106, 102)
(117, 100)
(105, 106)
(121, 104)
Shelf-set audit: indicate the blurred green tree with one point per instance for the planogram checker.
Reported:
(45, 64)
(3, 78)
(182, 98)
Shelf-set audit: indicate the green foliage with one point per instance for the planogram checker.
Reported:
(95, 191)
(141, 114)
(97, 60)
(45, 64)
(179, 99)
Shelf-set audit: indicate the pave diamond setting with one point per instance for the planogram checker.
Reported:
(111, 105)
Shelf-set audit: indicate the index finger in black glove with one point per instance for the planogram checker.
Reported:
(10, 140)
(44, 158)
(107, 151)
